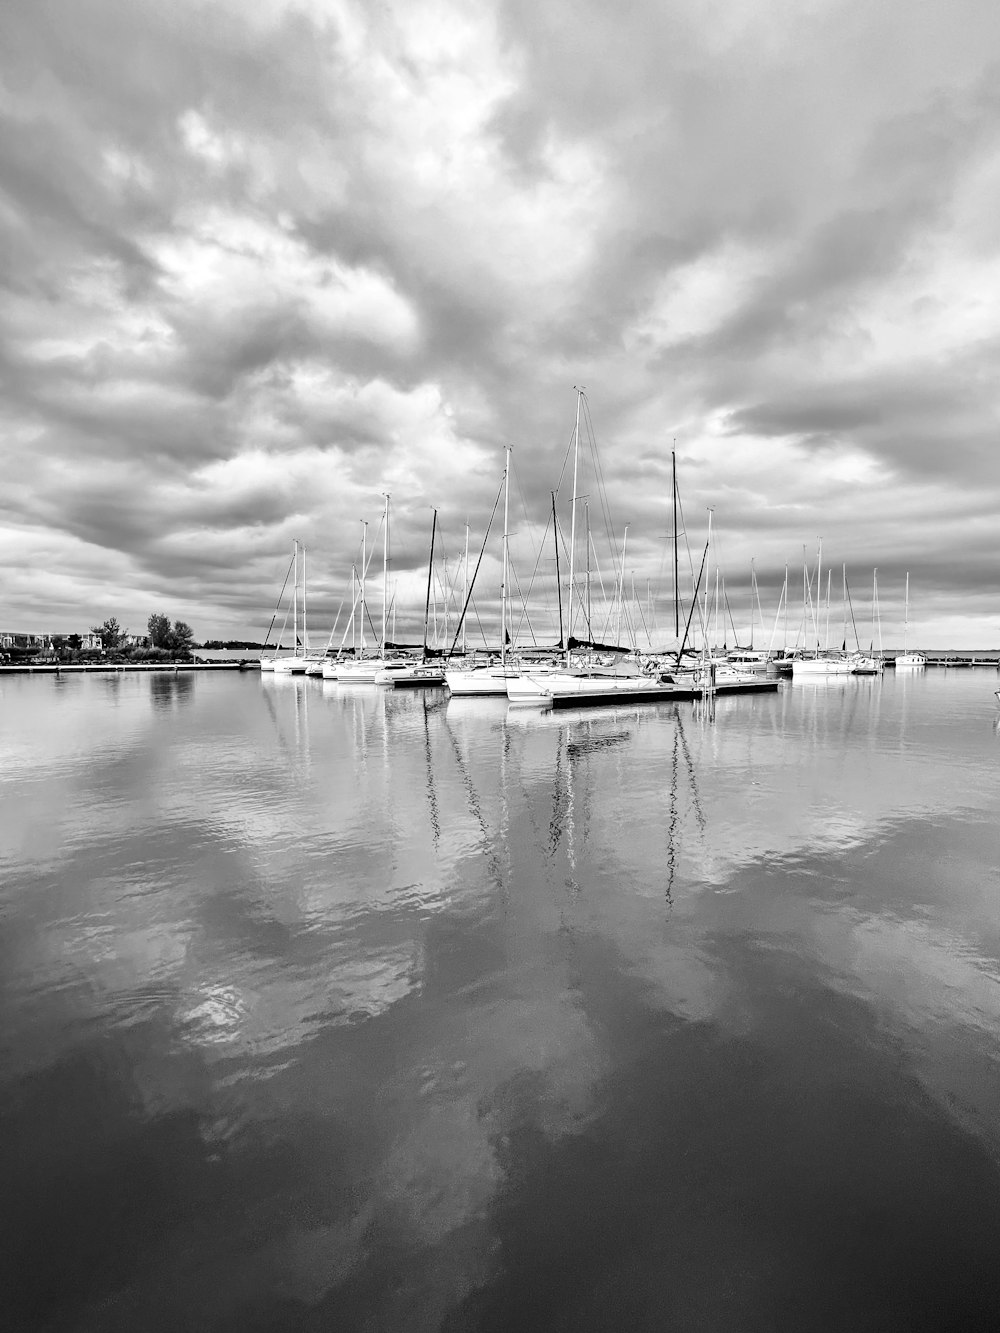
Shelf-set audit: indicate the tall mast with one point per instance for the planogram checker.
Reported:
(590, 623)
(305, 627)
(503, 586)
(295, 604)
(555, 535)
(621, 592)
(876, 611)
(844, 639)
(430, 566)
(677, 599)
(572, 525)
(385, 570)
(819, 591)
(906, 610)
(364, 570)
(465, 590)
(708, 545)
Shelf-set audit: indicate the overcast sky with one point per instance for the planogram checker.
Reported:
(262, 262)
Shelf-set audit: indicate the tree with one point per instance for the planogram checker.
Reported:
(73, 641)
(182, 637)
(159, 630)
(175, 638)
(112, 634)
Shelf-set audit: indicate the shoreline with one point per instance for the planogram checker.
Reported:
(118, 668)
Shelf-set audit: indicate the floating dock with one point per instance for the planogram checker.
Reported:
(665, 693)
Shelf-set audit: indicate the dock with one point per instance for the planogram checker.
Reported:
(120, 668)
(665, 693)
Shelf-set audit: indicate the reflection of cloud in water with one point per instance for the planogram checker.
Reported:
(361, 988)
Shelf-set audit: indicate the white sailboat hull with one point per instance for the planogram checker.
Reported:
(822, 666)
(478, 680)
(289, 666)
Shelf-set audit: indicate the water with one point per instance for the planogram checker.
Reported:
(332, 1008)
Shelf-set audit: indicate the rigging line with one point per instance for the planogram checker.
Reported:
(609, 525)
(525, 618)
(482, 631)
(277, 605)
(538, 559)
(732, 622)
(472, 584)
(642, 619)
(850, 603)
(602, 489)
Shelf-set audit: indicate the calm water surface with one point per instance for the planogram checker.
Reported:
(332, 1009)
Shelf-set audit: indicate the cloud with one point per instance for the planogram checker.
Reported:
(260, 266)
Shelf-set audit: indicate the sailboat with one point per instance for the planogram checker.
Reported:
(424, 672)
(823, 662)
(489, 679)
(267, 663)
(364, 670)
(296, 663)
(905, 659)
(572, 682)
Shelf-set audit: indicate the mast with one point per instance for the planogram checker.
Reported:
(590, 623)
(677, 602)
(506, 561)
(305, 627)
(465, 589)
(354, 608)
(708, 545)
(819, 590)
(385, 570)
(621, 592)
(364, 570)
(906, 610)
(555, 535)
(879, 609)
(572, 525)
(295, 604)
(430, 566)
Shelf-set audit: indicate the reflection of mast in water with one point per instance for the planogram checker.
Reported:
(489, 849)
(679, 750)
(672, 818)
(504, 803)
(558, 797)
(431, 793)
(299, 751)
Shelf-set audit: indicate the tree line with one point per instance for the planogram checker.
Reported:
(176, 638)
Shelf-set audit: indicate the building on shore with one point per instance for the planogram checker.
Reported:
(89, 642)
